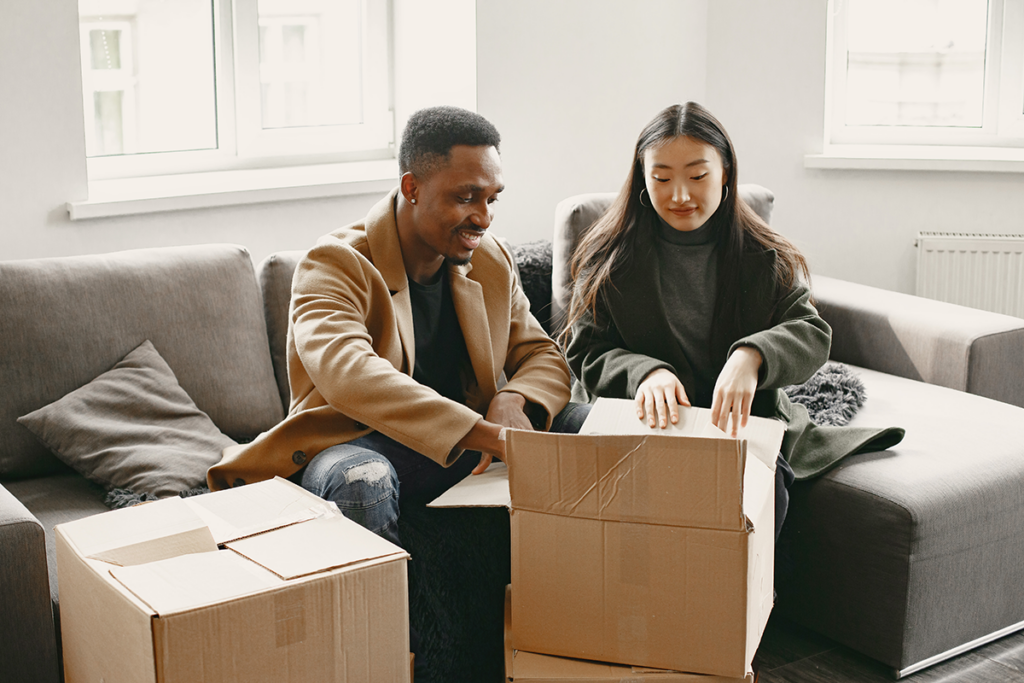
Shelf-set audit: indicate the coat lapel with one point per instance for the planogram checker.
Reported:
(468, 297)
(386, 254)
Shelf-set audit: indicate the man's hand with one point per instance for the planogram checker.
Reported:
(506, 410)
(658, 398)
(734, 390)
(488, 438)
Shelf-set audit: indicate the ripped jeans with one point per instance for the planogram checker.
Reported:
(365, 476)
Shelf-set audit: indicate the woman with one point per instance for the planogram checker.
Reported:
(683, 296)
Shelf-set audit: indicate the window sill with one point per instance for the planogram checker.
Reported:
(130, 196)
(918, 158)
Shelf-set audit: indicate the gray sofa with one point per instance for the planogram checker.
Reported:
(914, 554)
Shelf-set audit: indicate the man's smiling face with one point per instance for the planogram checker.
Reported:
(453, 205)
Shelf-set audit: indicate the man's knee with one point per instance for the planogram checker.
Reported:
(368, 481)
(362, 483)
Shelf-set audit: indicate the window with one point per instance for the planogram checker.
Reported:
(109, 87)
(925, 73)
(195, 85)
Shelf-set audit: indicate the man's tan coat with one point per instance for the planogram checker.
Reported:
(351, 346)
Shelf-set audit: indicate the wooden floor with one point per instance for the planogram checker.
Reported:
(790, 653)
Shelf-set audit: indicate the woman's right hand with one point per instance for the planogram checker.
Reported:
(658, 398)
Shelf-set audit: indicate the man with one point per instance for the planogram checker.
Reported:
(401, 328)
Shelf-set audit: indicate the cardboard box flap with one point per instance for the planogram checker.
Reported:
(141, 534)
(634, 478)
(489, 489)
(758, 484)
(315, 546)
(249, 510)
(764, 439)
(180, 583)
(618, 416)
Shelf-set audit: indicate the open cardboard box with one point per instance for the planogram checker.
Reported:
(640, 546)
(529, 667)
(265, 582)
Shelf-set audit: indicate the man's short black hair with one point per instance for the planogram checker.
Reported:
(431, 133)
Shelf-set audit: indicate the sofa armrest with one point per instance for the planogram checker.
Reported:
(931, 341)
(28, 647)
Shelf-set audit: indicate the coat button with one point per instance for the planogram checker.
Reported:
(360, 426)
(239, 482)
(298, 457)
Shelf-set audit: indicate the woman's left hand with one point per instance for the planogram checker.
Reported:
(734, 390)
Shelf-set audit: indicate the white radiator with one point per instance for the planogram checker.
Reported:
(981, 271)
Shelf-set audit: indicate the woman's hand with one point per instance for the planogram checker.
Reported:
(734, 390)
(658, 398)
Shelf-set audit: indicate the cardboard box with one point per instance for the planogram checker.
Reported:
(529, 667)
(640, 546)
(264, 582)
(643, 546)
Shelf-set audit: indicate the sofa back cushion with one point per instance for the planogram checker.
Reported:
(275, 277)
(64, 321)
(575, 214)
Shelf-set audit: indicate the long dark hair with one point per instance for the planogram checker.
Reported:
(609, 244)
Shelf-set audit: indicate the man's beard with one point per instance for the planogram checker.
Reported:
(451, 260)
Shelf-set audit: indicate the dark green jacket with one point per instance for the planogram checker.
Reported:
(630, 336)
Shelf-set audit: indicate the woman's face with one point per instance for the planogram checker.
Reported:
(684, 179)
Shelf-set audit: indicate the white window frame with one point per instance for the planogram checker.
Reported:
(998, 145)
(242, 143)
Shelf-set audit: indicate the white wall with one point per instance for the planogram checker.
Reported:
(570, 84)
(765, 81)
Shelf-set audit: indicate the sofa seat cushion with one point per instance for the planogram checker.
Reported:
(56, 499)
(908, 553)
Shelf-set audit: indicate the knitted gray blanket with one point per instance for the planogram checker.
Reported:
(832, 395)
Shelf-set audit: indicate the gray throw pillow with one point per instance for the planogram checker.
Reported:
(132, 427)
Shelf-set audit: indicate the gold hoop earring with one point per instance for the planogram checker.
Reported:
(642, 197)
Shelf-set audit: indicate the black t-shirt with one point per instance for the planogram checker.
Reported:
(440, 347)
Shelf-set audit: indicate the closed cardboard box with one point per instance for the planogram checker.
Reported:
(642, 546)
(529, 667)
(259, 583)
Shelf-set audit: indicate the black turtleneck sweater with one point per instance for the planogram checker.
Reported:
(688, 268)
